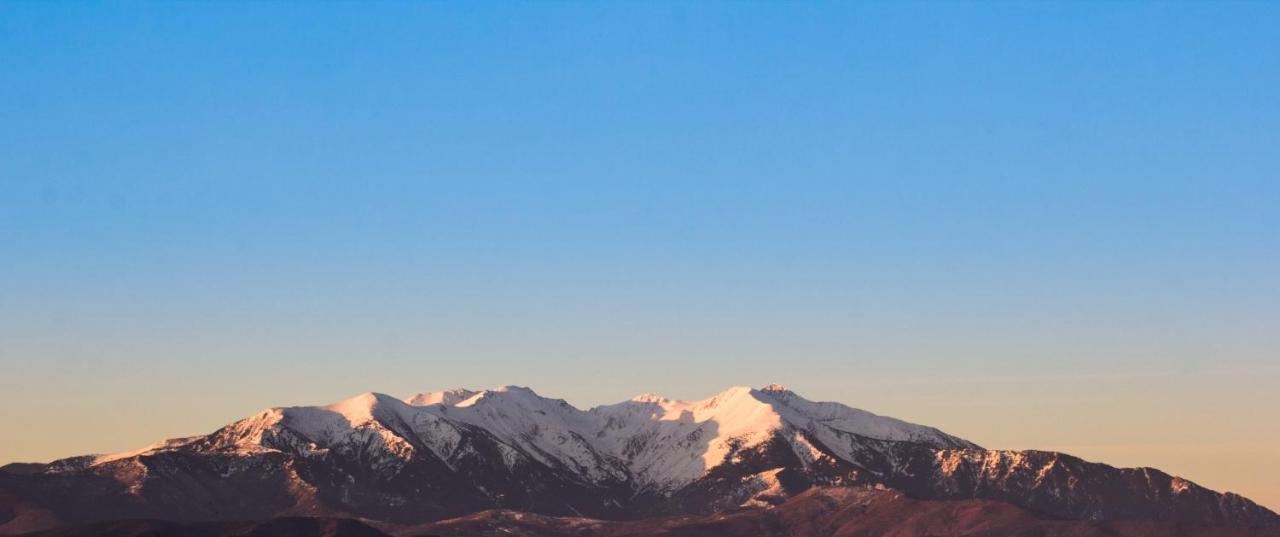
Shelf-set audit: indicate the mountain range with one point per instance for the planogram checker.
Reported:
(463, 462)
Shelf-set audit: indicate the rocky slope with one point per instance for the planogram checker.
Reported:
(443, 455)
(819, 512)
(828, 512)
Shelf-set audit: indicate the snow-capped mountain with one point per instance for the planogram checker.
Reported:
(662, 444)
(442, 454)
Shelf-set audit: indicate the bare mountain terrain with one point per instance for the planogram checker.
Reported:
(818, 512)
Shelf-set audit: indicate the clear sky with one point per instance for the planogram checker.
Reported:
(1033, 225)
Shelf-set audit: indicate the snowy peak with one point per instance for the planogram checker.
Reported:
(648, 398)
(669, 443)
(517, 395)
(742, 408)
(464, 397)
(778, 388)
(650, 440)
(448, 397)
(549, 431)
(360, 409)
(841, 418)
(464, 450)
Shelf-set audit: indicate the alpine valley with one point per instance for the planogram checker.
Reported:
(508, 461)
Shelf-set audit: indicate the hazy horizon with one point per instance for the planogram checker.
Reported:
(1033, 226)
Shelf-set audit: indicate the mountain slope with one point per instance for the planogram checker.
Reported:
(839, 512)
(1069, 487)
(828, 512)
(290, 526)
(445, 454)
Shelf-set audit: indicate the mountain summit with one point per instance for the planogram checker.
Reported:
(437, 455)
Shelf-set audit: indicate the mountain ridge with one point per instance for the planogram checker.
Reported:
(438, 455)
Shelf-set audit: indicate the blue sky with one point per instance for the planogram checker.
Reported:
(225, 206)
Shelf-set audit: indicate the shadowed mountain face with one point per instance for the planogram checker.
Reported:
(838, 512)
(831, 512)
(444, 455)
(290, 526)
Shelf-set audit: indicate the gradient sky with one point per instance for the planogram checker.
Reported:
(1032, 225)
